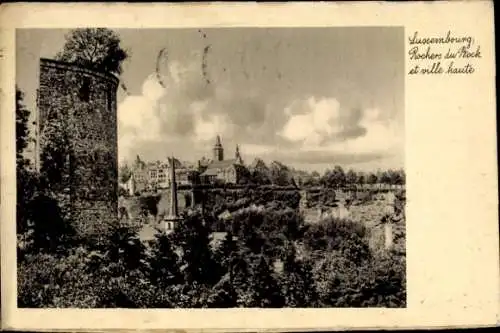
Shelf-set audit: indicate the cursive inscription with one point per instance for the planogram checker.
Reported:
(445, 54)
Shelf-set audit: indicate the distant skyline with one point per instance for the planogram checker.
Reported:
(308, 97)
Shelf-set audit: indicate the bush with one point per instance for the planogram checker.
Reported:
(267, 229)
(149, 204)
(46, 280)
(341, 283)
(109, 275)
(333, 234)
(47, 230)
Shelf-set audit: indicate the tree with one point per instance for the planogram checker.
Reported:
(123, 248)
(124, 173)
(22, 130)
(339, 177)
(402, 176)
(372, 179)
(27, 180)
(121, 261)
(264, 289)
(164, 262)
(95, 48)
(48, 232)
(297, 283)
(226, 251)
(375, 282)
(223, 294)
(197, 263)
(247, 226)
(385, 177)
(397, 177)
(315, 174)
(361, 179)
(334, 178)
(351, 177)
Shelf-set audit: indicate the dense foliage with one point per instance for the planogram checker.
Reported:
(96, 48)
(268, 258)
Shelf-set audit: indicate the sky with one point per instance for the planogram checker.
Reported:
(311, 98)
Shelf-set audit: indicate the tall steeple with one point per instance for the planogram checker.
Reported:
(218, 150)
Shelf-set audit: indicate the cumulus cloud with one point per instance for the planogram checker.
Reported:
(137, 113)
(168, 106)
(323, 132)
(180, 110)
(315, 122)
(180, 106)
(321, 124)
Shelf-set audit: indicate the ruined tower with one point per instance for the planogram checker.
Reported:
(218, 150)
(77, 142)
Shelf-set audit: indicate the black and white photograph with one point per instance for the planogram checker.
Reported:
(220, 167)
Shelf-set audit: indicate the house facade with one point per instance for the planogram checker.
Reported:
(156, 175)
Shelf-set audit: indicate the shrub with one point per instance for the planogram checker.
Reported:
(149, 204)
(333, 234)
(378, 282)
(46, 280)
(109, 275)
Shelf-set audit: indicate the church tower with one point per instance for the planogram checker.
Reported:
(218, 150)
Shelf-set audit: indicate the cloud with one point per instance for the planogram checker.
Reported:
(321, 124)
(322, 132)
(179, 106)
(167, 108)
(315, 122)
(136, 113)
(181, 113)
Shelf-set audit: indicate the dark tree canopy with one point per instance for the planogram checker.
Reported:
(124, 173)
(95, 48)
(22, 130)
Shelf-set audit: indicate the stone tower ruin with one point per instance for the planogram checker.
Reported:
(77, 143)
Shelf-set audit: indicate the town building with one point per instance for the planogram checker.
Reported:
(226, 171)
(154, 176)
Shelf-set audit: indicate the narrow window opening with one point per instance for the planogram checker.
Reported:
(85, 90)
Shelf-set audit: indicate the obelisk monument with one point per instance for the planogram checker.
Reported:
(172, 217)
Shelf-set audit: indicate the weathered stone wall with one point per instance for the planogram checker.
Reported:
(78, 141)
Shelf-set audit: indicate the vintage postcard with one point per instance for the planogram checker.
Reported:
(248, 167)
